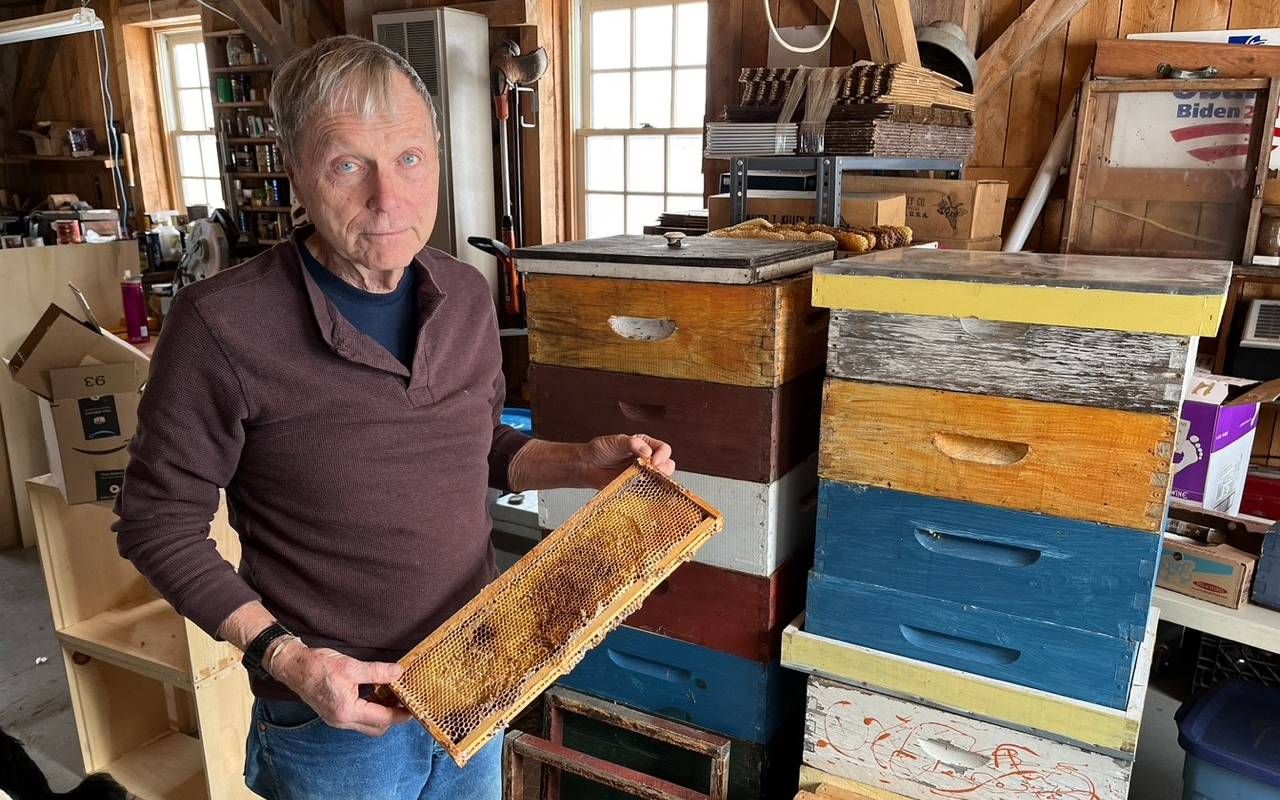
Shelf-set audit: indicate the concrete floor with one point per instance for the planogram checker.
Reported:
(35, 707)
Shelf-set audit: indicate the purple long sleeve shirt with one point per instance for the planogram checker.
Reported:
(357, 486)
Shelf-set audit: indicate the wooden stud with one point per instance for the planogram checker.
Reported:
(877, 47)
(261, 27)
(1035, 24)
(898, 31)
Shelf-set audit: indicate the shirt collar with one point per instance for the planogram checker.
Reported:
(343, 337)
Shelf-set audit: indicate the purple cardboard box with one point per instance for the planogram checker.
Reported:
(1215, 437)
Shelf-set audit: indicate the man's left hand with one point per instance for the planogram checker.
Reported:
(605, 457)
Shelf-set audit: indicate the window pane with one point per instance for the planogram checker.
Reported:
(691, 97)
(691, 33)
(685, 202)
(611, 39)
(203, 65)
(645, 163)
(213, 194)
(186, 66)
(653, 36)
(192, 111)
(604, 215)
(189, 162)
(611, 100)
(192, 191)
(653, 99)
(642, 210)
(604, 164)
(684, 167)
(209, 151)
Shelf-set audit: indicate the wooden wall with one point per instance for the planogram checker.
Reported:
(1017, 123)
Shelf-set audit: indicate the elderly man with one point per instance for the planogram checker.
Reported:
(345, 388)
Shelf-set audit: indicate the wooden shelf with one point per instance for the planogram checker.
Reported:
(149, 638)
(271, 242)
(243, 104)
(227, 32)
(256, 175)
(240, 70)
(1252, 625)
(98, 161)
(168, 768)
(267, 209)
(251, 140)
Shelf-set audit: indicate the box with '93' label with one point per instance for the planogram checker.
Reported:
(88, 424)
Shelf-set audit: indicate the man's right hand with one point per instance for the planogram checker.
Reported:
(330, 683)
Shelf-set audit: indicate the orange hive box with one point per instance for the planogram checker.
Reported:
(479, 669)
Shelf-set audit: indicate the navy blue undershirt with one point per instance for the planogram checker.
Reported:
(389, 319)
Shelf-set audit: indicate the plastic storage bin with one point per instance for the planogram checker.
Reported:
(1232, 739)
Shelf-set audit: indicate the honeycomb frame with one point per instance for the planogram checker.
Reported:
(450, 666)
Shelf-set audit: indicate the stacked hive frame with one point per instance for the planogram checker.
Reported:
(995, 454)
(714, 348)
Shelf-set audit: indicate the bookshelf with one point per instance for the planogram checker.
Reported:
(158, 704)
(255, 186)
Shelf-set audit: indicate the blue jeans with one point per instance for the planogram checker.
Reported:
(293, 755)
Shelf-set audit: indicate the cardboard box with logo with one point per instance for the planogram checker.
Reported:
(857, 209)
(1215, 438)
(1210, 556)
(938, 208)
(89, 383)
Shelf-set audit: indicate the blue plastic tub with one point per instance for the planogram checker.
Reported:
(1231, 736)
(518, 418)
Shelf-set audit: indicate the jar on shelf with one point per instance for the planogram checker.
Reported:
(237, 51)
(1269, 232)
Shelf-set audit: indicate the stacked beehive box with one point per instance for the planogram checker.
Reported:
(714, 348)
(995, 450)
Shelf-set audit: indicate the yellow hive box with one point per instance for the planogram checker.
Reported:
(1179, 297)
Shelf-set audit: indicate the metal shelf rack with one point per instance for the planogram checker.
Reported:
(830, 172)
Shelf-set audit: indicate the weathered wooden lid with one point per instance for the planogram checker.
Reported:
(700, 260)
(1182, 297)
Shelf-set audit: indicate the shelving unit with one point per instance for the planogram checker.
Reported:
(259, 229)
(158, 704)
(830, 172)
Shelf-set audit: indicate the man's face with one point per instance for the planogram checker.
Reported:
(370, 185)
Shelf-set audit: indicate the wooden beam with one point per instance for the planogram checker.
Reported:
(1138, 58)
(1020, 39)
(848, 24)
(157, 11)
(37, 64)
(260, 26)
(899, 31)
(877, 50)
(965, 13)
(504, 13)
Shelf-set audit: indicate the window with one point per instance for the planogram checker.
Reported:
(643, 90)
(188, 118)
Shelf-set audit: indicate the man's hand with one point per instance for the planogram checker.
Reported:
(591, 465)
(330, 682)
(604, 457)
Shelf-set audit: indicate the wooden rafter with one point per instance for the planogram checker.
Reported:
(1020, 39)
(848, 24)
(37, 63)
(260, 26)
(891, 35)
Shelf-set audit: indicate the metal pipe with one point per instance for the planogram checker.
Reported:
(1038, 194)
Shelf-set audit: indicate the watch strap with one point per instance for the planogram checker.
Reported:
(257, 649)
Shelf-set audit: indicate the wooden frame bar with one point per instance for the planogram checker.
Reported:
(554, 758)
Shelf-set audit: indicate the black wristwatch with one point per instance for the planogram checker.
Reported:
(257, 649)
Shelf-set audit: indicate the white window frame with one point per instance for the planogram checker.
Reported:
(582, 95)
(165, 40)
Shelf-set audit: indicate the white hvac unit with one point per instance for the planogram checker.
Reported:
(450, 50)
(1258, 355)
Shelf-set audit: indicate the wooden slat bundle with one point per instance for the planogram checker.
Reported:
(872, 83)
(847, 109)
(886, 138)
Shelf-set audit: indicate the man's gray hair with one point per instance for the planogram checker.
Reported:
(339, 74)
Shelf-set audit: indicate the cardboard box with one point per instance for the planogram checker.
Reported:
(89, 383)
(991, 244)
(938, 208)
(1215, 439)
(859, 209)
(1220, 573)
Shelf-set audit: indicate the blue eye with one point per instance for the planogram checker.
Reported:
(347, 167)
(412, 160)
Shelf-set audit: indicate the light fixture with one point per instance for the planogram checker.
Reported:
(44, 26)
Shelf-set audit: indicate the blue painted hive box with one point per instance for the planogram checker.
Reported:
(1232, 739)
